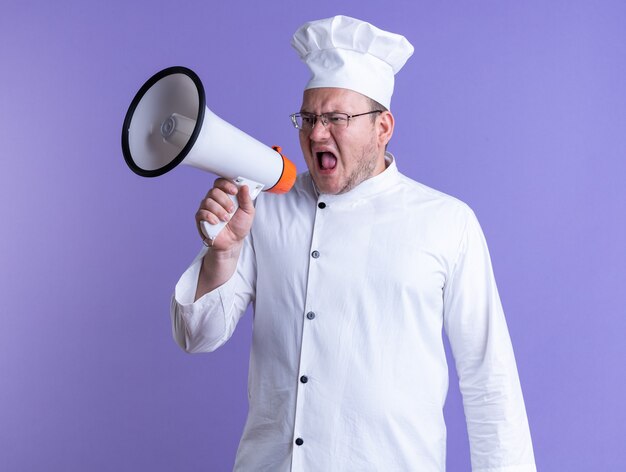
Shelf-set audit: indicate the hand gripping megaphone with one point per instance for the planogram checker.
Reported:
(168, 123)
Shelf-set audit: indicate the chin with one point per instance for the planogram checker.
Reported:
(328, 188)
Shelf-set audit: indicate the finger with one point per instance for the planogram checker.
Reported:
(219, 197)
(225, 185)
(212, 212)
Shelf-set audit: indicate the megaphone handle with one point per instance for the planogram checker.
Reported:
(211, 231)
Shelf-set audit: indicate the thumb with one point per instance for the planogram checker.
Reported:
(245, 200)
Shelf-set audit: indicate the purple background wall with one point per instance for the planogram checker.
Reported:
(518, 108)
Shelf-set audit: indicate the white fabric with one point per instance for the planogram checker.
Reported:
(344, 52)
(397, 262)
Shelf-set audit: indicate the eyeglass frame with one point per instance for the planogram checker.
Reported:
(324, 118)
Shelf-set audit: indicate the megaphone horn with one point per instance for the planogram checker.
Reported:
(168, 123)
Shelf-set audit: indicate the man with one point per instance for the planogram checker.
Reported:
(353, 275)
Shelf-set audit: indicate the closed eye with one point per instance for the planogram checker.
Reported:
(308, 119)
(336, 118)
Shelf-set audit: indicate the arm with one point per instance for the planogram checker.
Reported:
(220, 261)
(214, 292)
(492, 397)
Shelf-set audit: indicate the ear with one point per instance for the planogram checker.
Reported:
(384, 127)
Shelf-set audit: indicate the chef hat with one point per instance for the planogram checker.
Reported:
(348, 53)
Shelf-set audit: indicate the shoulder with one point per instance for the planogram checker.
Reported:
(282, 211)
(439, 206)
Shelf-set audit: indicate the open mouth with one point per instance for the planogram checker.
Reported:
(326, 160)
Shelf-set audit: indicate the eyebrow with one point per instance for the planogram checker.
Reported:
(324, 112)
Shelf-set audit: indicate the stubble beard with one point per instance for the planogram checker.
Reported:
(364, 170)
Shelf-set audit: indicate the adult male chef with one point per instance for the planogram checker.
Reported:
(353, 274)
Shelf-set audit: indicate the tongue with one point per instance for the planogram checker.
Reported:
(328, 161)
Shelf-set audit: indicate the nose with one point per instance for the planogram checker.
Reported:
(319, 132)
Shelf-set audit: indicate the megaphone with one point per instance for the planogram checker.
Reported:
(168, 123)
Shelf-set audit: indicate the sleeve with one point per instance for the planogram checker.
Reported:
(474, 321)
(207, 323)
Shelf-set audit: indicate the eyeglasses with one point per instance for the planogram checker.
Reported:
(306, 121)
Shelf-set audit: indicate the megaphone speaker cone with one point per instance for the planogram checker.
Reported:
(175, 91)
